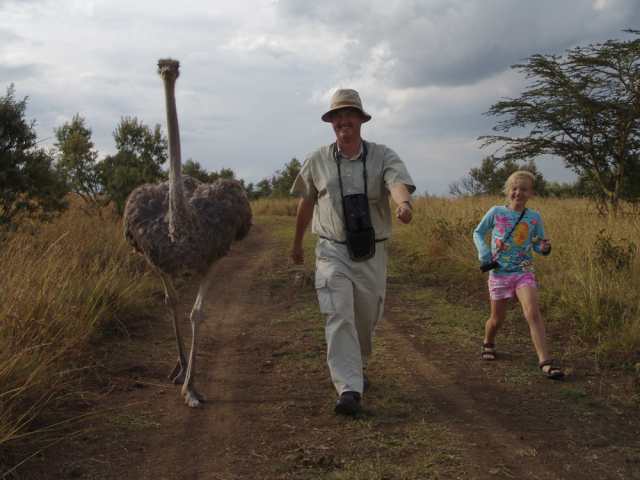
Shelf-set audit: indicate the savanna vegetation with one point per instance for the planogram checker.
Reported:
(65, 286)
(74, 283)
(69, 281)
(589, 282)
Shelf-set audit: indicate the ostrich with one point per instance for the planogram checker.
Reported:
(184, 226)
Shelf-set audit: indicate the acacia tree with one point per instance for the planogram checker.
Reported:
(141, 153)
(224, 173)
(195, 170)
(29, 185)
(585, 108)
(77, 159)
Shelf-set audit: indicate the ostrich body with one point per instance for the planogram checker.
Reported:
(184, 226)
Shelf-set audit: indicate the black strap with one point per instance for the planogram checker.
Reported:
(506, 237)
(378, 240)
(364, 167)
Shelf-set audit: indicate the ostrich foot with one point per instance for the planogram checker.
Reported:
(191, 397)
(178, 373)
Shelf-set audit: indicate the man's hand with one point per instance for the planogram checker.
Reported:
(402, 199)
(404, 212)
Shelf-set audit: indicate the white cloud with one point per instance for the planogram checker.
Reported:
(600, 4)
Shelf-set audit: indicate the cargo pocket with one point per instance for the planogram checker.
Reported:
(324, 294)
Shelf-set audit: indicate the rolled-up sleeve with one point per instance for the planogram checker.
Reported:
(303, 185)
(395, 171)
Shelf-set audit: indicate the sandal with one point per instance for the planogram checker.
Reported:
(554, 372)
(488, 352)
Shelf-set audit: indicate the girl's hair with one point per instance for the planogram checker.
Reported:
(519, 175)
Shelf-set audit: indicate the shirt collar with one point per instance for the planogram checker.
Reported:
(356, 157)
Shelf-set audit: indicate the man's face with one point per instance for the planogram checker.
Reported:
(346, 123)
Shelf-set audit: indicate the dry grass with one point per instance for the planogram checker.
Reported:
(285, 207)
(66, 285)
(589, 283)
(62, 287)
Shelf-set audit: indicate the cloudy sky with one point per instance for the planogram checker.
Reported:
(256, 75)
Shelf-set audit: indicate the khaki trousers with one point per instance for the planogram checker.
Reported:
(351, 295)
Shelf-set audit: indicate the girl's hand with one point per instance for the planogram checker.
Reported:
(545, 246)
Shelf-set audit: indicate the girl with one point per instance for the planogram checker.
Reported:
(515, 232)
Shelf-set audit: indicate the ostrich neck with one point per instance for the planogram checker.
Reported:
(177, 204)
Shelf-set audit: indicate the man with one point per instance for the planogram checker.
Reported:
(350, 291)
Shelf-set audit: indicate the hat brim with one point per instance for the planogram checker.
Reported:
(327, 116)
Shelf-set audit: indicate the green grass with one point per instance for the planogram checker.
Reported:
(131, 422)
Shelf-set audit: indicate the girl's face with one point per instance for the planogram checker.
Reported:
(520, 191)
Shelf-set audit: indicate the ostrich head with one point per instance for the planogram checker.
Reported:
(169, 68)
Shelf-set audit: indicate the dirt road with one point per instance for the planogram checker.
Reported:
(434, 410)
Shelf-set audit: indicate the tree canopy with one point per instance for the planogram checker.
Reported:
(197, 171)
(490, 177)
(283, 179)
(76, 159)
(583, 107)
(29, 184)
(141, 154)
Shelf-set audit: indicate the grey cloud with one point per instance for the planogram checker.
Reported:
(17, 73)
(330, 12)
(460, 42)
(8, 37)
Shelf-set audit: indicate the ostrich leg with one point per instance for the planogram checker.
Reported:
(191, 396)
(171, 299)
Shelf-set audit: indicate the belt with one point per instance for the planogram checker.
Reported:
(378, 240)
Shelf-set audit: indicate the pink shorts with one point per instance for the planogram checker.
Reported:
(505, 286)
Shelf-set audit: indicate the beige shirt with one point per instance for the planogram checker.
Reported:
(318, 179)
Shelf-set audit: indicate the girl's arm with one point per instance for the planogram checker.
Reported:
(538, 235)
(479, 234)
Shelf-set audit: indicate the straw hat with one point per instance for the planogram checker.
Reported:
(345, 98)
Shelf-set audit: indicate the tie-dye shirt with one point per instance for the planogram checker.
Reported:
(514, 255)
